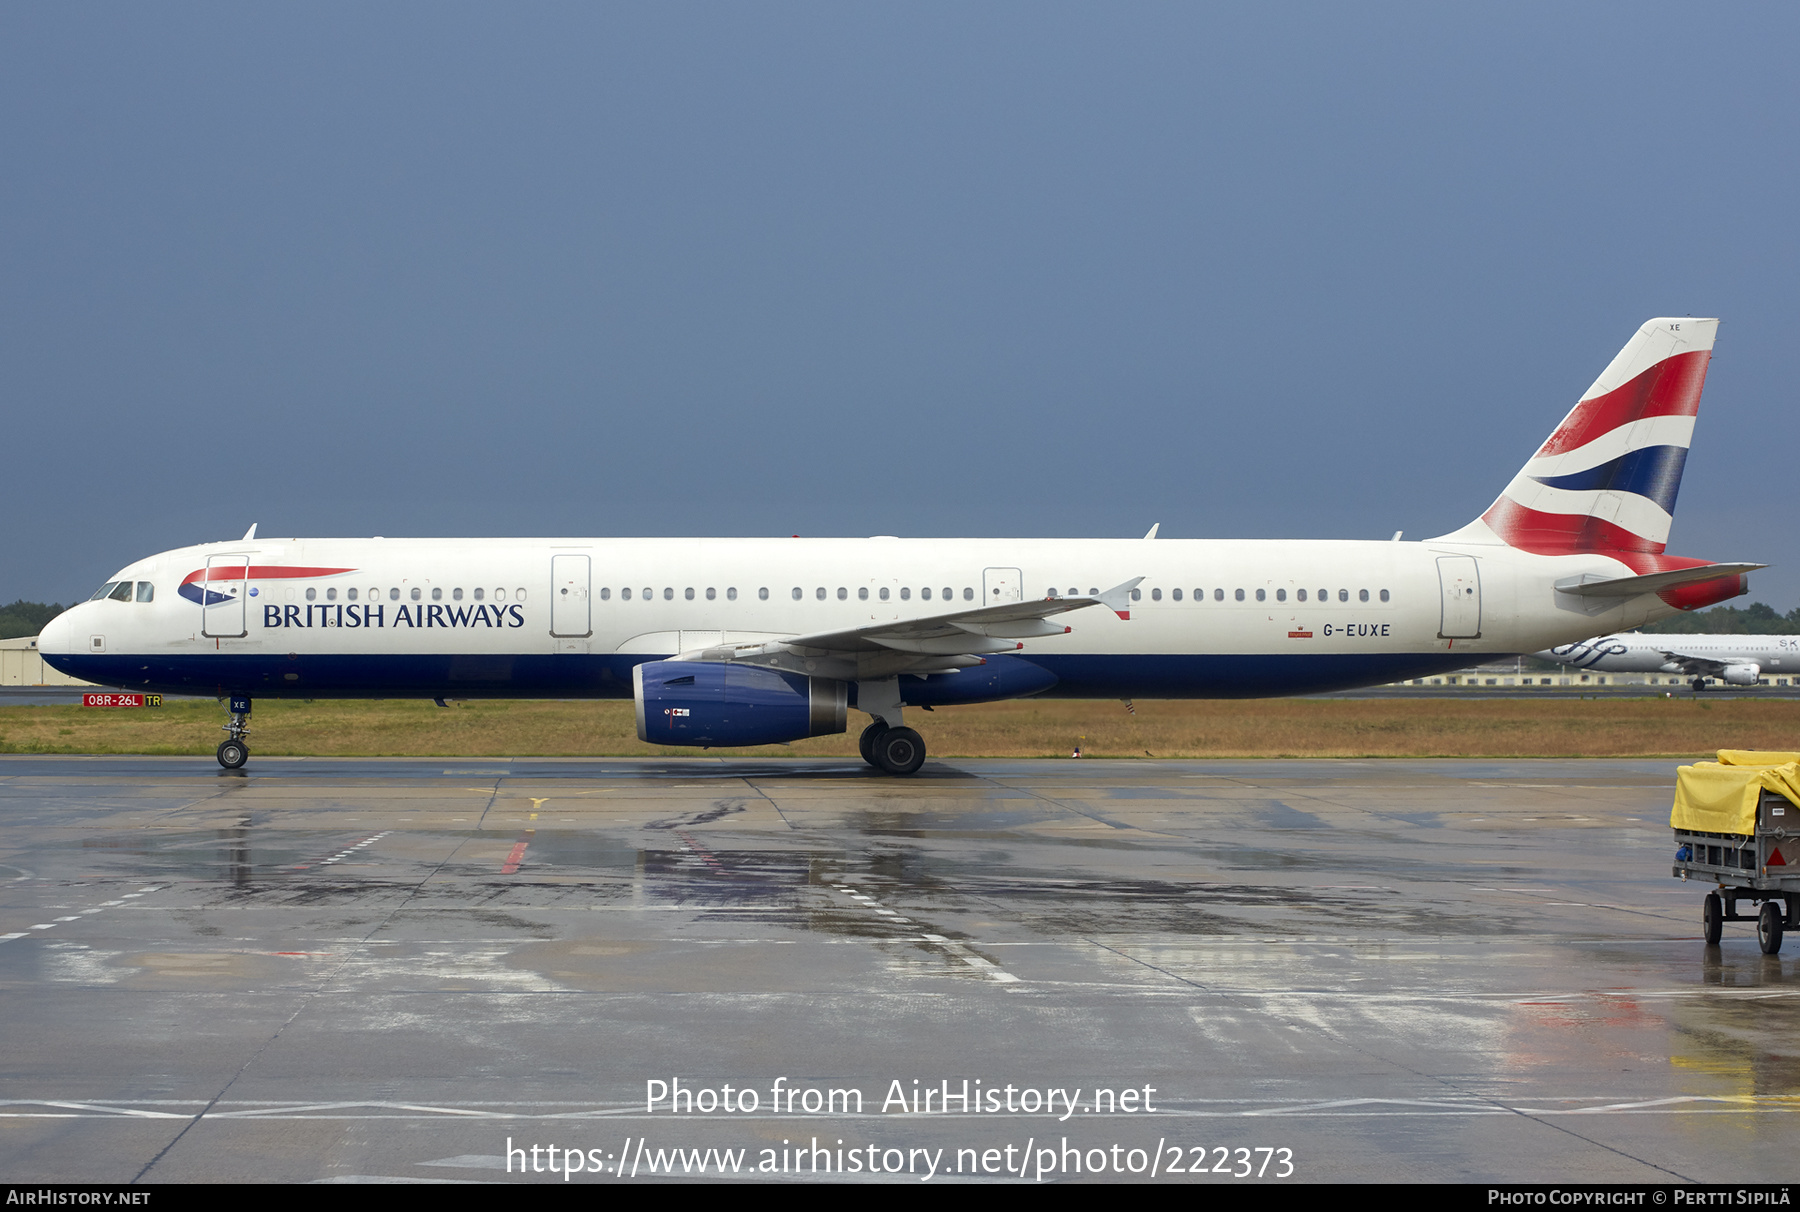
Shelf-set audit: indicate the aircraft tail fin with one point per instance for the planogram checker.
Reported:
(1605, 480)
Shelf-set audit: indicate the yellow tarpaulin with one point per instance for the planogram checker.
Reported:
(1721, 797)
(1756, 757)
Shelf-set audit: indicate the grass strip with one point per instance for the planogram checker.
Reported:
(1288, 728)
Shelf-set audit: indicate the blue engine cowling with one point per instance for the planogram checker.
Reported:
(714, 703)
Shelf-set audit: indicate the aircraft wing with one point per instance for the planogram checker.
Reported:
(1694, 666)
(984, 629)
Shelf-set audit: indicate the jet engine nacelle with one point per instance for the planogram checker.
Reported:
(1741, 675)
(717, 703)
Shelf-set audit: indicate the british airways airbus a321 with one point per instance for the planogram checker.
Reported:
(726, 642)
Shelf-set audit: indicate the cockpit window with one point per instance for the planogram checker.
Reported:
(104, 591)
(146, 592)
(122, 593)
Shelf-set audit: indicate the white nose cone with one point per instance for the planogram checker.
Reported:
(58, 636)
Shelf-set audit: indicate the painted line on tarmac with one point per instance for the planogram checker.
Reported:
(100, 908)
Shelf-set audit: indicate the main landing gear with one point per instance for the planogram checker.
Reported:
(233, 750)
(887, 744)
(894, 750)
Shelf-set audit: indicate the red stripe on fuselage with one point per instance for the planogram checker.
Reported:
(259, 572)
(1671, 388)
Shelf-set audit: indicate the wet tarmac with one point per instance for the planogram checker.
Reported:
(357, 970)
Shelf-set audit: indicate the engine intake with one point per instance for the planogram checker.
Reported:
(1741, 675)
(717, 703)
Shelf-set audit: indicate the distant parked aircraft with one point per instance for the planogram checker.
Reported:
(1737, 660)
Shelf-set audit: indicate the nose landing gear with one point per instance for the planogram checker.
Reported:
(233, 751)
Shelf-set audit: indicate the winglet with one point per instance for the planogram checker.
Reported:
(249, 534)
(1153, 529)
(1118, 598)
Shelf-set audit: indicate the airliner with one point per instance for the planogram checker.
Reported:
(734, 642)
(1736, 660)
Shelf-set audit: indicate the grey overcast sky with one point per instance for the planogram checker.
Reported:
(1261, 270)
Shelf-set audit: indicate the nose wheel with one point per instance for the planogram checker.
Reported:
(233, 750)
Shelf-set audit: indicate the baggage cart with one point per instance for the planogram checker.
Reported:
(1737, 825)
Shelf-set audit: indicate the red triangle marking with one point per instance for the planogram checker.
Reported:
(1775, 859)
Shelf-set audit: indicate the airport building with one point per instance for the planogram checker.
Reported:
(20, 665)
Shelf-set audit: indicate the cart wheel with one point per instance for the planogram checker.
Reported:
(1768, 928)
(1712, 919)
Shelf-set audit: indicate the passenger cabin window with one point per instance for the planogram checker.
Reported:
(478, 593)
(393, 595)
(146, 592)
(905, 593)
(731, 594)
(1240, 595)
(668, 593)
(1156, 595)
(798, 592)
(1137, 595)
(1175, 594)
(950, 594)
(968, 593)
(1362, 595)
(819, 593)
(862, 593)
(1262, 596)
(455, 595)
(331, 595)
(762, 595)
(711, 593)
(437, 593)
(1281, 595)
(311, 593)
(518, 595)
(1300, 595)
(688, 593)
(605, 594)
(1219, 595)
(1384, 595)
(625, 594)
(884, 593)
(1343, 595)
(925, 594)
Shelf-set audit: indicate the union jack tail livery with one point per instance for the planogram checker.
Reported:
(1605, 481)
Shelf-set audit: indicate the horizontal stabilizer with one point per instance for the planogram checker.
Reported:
(1655, 582)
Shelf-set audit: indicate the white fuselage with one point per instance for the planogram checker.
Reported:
(510, 617)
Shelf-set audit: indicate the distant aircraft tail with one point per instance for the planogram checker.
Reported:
(1605, 480)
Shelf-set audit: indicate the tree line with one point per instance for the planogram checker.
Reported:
(26, 618)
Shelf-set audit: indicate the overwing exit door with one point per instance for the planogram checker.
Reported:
(1001, 585)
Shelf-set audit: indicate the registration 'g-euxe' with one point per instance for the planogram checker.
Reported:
(727, 642)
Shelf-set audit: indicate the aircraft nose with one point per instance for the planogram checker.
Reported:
(58, 636)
